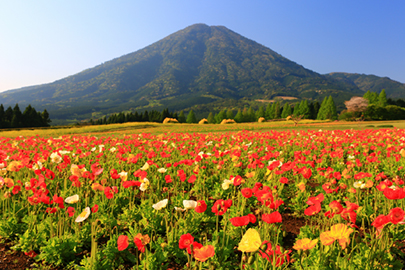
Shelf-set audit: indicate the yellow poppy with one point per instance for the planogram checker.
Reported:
(250, 241)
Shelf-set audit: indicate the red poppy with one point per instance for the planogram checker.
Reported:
(221, 206)
(31, 254)
(240, 221)
(252, 218)
(237, 180)
(122, 242)
(396, 215)
(274, 217)
(70, 211)
(313, 209)
(192, 179)
(317, 199)
(168, 179)
(139, 245)
(193, 247)
(336, 207)
(127, 184)
(201, 206)
(380, 221)
(394, 194)
(108, 192)
(246, 192)
(306, 173)
(185, 241)
(284, 180)
(94, 209)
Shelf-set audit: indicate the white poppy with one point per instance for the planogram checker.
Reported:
(358, 184)
(145, 166)
(84, 215)
(161, 204)
(162, 170)
(145, 184)
(179, 209)
(226, 183)
(189, 204)
(72, 199)
(55, 158)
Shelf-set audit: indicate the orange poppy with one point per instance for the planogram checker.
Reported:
(204, 253)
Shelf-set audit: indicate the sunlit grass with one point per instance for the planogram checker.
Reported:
(158, 128)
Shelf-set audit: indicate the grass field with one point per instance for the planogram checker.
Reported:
(158, 128)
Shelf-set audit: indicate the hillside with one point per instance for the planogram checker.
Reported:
(372, 83)
(200, 67)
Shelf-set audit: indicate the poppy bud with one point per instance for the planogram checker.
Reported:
(251, 259)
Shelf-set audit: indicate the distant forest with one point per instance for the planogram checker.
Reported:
(14, 118)
(273, 111)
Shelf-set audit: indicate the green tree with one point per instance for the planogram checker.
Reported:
(372, 97)
(304, 109)
(328, 110)
(2, 113)
(238, 117)
(277, 110)
(182, 117)
(382, 99)
(191, 119)
(211, 118)
(252, 115)
(260, 113)
(286, 110)
(313, 109)
(297, 109)
(220, 116)
(270, 110)
(245, 115)
(229, 114)
(16, 120)
(322, 109)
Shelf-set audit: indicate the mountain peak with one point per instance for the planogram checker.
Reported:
(201, 67)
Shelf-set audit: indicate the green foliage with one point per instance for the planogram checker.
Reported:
(229, 114)
(238, 117)
(382, 99)
(210, 118)
(182, 117)
(390, 112)
(220, 116)
(59, 251)
(327, 109)
(191, 119)
(30, 118)
(286, 111)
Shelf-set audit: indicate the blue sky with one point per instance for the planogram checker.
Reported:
(43, 41)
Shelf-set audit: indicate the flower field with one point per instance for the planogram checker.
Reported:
(237, 200)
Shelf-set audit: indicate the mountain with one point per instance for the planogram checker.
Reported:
(200, 67)
(372, 83)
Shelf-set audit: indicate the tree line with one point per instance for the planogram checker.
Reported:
(273, 111)
(14, 118)
(373, 106)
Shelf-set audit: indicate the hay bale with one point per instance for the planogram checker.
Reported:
(203, 121)
(228, 121)
(170, 121)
